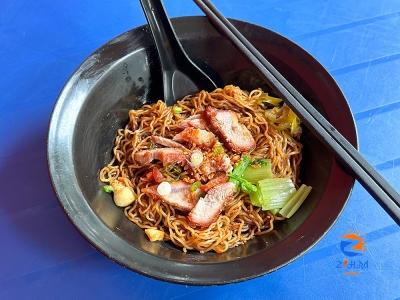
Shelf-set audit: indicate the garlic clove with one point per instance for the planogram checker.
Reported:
(154, 234)
(123, 195)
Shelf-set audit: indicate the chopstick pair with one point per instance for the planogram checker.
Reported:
(372, 181)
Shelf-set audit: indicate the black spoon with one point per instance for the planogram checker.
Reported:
(180, 75)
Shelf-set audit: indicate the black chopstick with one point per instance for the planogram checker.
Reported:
(376, 185)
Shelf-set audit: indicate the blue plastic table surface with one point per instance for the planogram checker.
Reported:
(42, 256)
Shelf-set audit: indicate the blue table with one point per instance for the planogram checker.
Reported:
(42, 256)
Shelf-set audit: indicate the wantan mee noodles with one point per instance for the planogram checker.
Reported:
(276, 133)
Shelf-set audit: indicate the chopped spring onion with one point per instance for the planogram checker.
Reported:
(255, 173)
(195, 186)
(174, 171)
(196, 158)
(218, 149)
(272, 193)
(164, 188)
(295, 201)
(108, 189)
(176, 109)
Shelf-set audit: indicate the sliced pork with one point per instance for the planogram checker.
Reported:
(180, 196)
(220, 163)
(207, 209)
(165, 155)
(214, 182)
(155, 175)
(166, 142)
(195, 121)
(225, 124)
(202, 138)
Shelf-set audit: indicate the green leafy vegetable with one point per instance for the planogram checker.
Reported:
(274, 211)
(108, 189)
(262, 170)
(195, 186)
(265, 98)
(247, 187)
(241, 166)
(244, 185)
(236, 176)
(261, 162)
(272, 193)
(255, 198)
(295, 201)
(294, 123)
(176, 109)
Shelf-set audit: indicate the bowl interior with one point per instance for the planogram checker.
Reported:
(125, 74)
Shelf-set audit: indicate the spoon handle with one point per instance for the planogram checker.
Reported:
(181, 76)
(168, 46)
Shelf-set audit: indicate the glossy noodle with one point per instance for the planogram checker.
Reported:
(239, 221)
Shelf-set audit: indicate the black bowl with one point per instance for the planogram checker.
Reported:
(125, 74)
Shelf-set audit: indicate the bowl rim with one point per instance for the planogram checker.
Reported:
(149, 264)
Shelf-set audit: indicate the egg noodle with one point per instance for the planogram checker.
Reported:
(271, 126)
